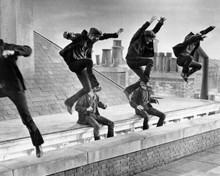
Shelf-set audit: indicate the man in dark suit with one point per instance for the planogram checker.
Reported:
(141, 53)
(185, 52)
(141, 101)
(87, 107)
(78, 57)
(12, 86)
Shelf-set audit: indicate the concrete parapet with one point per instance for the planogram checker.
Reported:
(132, 153)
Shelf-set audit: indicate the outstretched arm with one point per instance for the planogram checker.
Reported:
(17, 50)
(142, 29)
(207, 30)
(159, 24)
(70, 35)
(194, 38)
(111, 35)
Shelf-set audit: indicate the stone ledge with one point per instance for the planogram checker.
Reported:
(80, 155)
(51, 162)
(61, 130)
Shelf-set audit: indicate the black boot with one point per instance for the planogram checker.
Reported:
(110, 134)
(184, 76)
(145, 124)
(193, 70)
(97, 138)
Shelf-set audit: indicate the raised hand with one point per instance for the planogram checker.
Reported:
(7, 53)
(120, 31)
(153, 18)
(162, 19)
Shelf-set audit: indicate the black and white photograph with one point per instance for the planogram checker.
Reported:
(109, 88)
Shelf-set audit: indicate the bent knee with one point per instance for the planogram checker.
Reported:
(163, 116)
(86, 90)
(151, 62)
(89, 62)
(97, 127)
(199, 67)
(111, 124)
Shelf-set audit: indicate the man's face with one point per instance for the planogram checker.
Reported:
(144, 86)
(93, 37)
(148, 39)
(91, 93)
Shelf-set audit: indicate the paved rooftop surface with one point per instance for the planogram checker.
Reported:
(206, 163)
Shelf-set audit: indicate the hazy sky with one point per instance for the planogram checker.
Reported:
(53, 17)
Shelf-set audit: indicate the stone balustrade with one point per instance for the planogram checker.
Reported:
(124, 154)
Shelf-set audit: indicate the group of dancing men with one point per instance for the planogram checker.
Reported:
(78, 57)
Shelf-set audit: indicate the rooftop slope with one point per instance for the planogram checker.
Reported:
(53, 83)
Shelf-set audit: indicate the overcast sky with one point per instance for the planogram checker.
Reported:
(53, 17)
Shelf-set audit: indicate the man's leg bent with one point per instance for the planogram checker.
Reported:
(148, 68)
(195, 66)
(136, 66)
(145, 115)
(161, 115)
(19, 99)
(185, 62)
(83, 78)
(131, 88)
(104, 121)
(92, 78)
(92, 121)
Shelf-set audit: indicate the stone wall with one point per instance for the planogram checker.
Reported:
(125, 154)
(122, 155)
(143, 160)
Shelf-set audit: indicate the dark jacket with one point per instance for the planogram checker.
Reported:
(181, 47)
(138, 47)
(81, 45)
(83, 103)
(137, 99)
(189, 39)
(10, 75)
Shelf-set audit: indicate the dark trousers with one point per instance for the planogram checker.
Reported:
(151, 111)
(144, 75)
(187, 62)
(94, 82)
(92, 78)
(94, 120)
(19, 99)
(84, 72)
